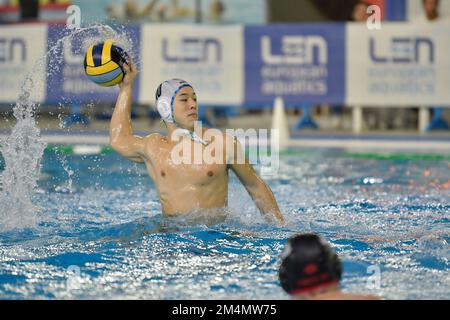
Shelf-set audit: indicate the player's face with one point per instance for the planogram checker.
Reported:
(185, 107)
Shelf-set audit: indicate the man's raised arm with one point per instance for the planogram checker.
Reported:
(121, 136)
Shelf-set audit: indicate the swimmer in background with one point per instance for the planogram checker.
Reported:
(359, 13)
(311, 270)
(184, 188)
(431, 10)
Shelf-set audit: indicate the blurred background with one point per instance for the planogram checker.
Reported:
(333, 74)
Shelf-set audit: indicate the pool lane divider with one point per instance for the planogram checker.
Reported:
(97, 149)
(79, 149)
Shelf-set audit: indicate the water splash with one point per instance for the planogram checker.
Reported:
(22, 152)
(23, 149)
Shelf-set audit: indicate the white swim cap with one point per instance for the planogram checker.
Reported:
(165, 95)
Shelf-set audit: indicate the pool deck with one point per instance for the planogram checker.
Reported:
(96, 133)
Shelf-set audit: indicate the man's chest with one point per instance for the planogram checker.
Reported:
(195, 170)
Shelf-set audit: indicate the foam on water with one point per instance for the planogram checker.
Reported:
(22, 152)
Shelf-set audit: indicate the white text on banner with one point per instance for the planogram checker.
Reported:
(20, 49)
(401, 65)
(210, 58)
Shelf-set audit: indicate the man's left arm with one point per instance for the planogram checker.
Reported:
(259, 191)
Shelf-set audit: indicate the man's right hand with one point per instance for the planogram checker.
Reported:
(130, 74)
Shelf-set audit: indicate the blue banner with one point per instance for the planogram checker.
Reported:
(66, 79)
(239, 66)
(300, 63)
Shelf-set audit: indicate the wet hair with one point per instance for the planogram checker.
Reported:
(308, 263)
(158, 92)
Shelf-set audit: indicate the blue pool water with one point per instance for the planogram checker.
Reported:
(100, 233)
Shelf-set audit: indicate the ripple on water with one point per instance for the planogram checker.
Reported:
(114, 232)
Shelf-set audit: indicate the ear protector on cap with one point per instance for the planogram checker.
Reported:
(163, 105)
(164, 109)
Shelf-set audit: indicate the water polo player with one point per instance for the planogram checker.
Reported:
(311, 270)
(184, 188)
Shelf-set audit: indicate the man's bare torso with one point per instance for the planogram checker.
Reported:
(183, 187)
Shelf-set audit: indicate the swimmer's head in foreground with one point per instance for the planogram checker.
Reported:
(310, 269)
(308, 263)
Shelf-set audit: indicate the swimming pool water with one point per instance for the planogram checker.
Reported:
(101, 235)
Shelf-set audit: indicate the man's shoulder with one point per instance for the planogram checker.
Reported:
(215, 132)
(153, 143)
(155, 139)
(154, 136)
